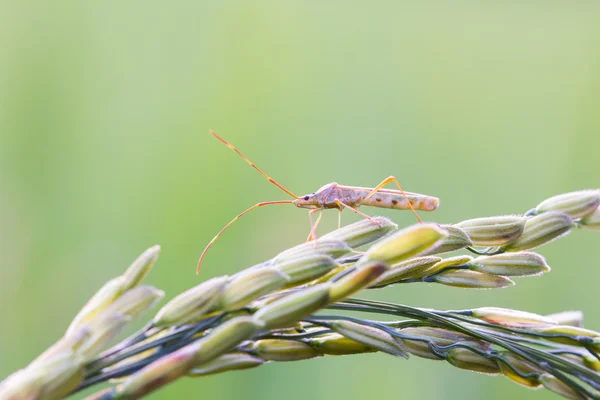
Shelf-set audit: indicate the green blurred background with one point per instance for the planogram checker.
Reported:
(105, 109)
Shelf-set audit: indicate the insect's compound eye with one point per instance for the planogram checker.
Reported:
(306, 197)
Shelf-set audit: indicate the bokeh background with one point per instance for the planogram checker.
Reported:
(105, 109)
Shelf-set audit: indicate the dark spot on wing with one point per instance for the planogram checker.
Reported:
(378, 199)
(394, 202)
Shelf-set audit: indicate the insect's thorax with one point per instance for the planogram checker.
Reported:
(326, 196)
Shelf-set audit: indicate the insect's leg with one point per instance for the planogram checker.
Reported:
(339, 218)
(264, 203)
(313, 228)
(310, 213)
(267, 177)
(340, 204)
(385, 182)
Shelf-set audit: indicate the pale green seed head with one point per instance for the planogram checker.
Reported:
(363, 232)
(359, 279)
(555, 385)
(141, 266)
(137, 357)
(154, 334)
(596, 345)
(135, 302)
(305, 269)
(471, 280)
(571, 318)
(493, 231)
(67, 344)
(336, 270)
(592, 221)
(283, 350)
(449, 262)
(542, 229)
(158, 373)
(404, 244)
(285, 311)
(104, 326)
(575, 204)
(444, 337)
(511, 318)
(511, 264)
(226, 362)
(414, 268)
(103, 329)
(420, 349)
(330, 247)
(116, 287)
(466, 359)
(103, 297)
(251, 284)
(521, 365)
(457, 239)
(591, 362)
(58, 375)
(334, 344)
(224, 337)
(24, 384)
(191, 304)
(567, 330)
(174, 365)
(438, 336)
(370, 337)
(420, 267)
(576, 356)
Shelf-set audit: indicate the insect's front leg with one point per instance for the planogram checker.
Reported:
(313, 227)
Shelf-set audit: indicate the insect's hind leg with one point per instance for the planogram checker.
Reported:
(385, 182)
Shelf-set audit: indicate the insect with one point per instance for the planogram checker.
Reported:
(336, 196)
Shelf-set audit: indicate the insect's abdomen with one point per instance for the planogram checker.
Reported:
(398, 202)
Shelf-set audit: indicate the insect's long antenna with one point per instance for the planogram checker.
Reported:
(264, 203)
(267, 177)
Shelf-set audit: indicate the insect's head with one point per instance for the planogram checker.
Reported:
(306, 201)
(316, 199)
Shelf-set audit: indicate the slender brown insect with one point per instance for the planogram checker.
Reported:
(338, 196)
